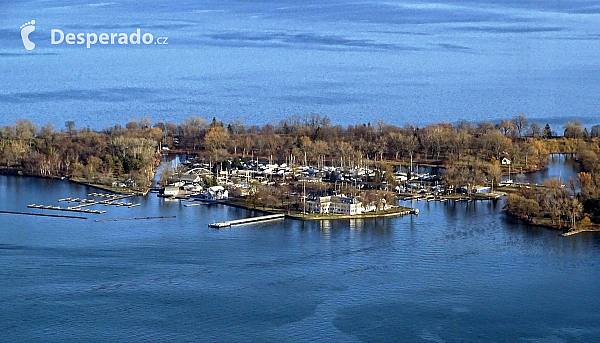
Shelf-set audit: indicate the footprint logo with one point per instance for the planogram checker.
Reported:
(26, 29)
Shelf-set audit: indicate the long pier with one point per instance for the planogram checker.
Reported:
(246, 220)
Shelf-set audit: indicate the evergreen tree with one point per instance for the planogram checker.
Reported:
(547, 132)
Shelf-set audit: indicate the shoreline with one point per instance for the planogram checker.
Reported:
(393, 212)
(83, 183)
(566, 231)
(577, 231)
(399, 211)
(106, 188)
(396, 211)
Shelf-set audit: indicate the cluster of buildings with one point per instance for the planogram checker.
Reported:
(241, 177)
(129, 183)
(193, 183)
(266, 173)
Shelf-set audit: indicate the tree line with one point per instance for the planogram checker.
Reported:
(471, 152)
(312, 139)
(570, 205)
(96, 157)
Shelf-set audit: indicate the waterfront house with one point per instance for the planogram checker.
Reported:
(337, 204)
(171, 191)
(190, 178)
(216, 193)
(319, 205)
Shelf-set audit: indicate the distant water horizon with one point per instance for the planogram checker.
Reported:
(401, 62)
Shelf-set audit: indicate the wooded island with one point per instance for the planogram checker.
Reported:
(472, 156)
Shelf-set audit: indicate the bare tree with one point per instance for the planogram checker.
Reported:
(521, 124)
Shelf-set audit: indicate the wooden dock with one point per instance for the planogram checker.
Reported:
(247, 220)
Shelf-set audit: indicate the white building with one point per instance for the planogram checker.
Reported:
(217, 193)
(505, 161)
(171, 191)
(337, 204)
(190, 178)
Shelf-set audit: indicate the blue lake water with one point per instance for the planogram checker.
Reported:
(258, 61)
(456, 273)
(559, 166)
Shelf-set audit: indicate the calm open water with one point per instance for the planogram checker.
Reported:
(455, 273)
(418, 61)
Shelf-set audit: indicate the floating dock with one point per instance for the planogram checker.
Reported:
(246, 220)
(110, 199)
(68, 209)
